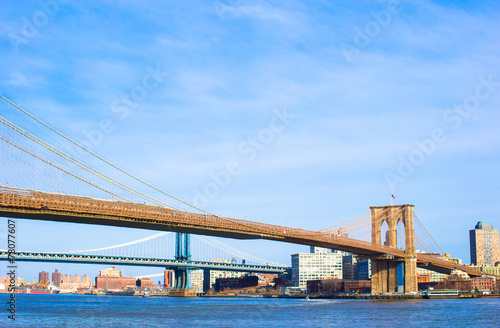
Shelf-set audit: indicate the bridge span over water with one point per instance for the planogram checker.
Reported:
(137, 261)
(30, 204)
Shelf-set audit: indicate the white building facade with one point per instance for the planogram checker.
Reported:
(316, 265)
(197, 280)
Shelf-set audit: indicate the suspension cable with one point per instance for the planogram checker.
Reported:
(122, 245)
(123, 171)
(378, 218)
(83, 165)
(104, 160)
(421, 242)
(344, 229)
(428, 233)
(330, 228)
(63, 170)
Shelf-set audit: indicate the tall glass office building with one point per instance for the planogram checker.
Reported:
(484, 244)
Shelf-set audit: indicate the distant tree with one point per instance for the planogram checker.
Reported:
(332, 285)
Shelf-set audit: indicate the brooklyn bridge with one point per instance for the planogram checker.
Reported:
(50, 181)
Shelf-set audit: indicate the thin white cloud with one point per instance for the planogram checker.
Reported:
(20, 80)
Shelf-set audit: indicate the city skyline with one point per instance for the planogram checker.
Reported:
(354, 117)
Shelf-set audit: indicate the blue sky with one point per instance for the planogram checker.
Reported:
(375, 99)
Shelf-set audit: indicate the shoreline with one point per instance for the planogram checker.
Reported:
(304, 297)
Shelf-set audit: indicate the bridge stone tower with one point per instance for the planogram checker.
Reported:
(390, 275)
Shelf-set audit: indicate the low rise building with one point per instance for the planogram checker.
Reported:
(210, 276)
(332, 286)
(489, 269)
(112, 280)
(236, 283)
(424, 277)
(144, 283)
(483, 283)
(266, 279)
(357, 286)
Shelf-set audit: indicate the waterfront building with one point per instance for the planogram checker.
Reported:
(425, 275)
(484, 244)
(360, 286)
(236, 283)
(197, 280)
(57, 278)
(317, 265)
(112, 279)
(86, 280)
(43, 278)
(332, 286)
(461, 274)
(66, 279)
(5, 281)
(364, 269)
(111, 272)
(350, 267)
(70, 284)
(354, 268)
(483, 283)
(266, 278)
(210, 276)
(488, 269)
(168, 279)
(76, 279)
(144, 283)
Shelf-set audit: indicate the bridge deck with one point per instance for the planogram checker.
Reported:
(29, 204)
(135, 261)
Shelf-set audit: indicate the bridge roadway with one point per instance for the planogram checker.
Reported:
(30, 204)
(137, 261)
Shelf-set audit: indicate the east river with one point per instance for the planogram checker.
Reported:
(128, 311)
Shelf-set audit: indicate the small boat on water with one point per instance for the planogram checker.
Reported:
(146, 294)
